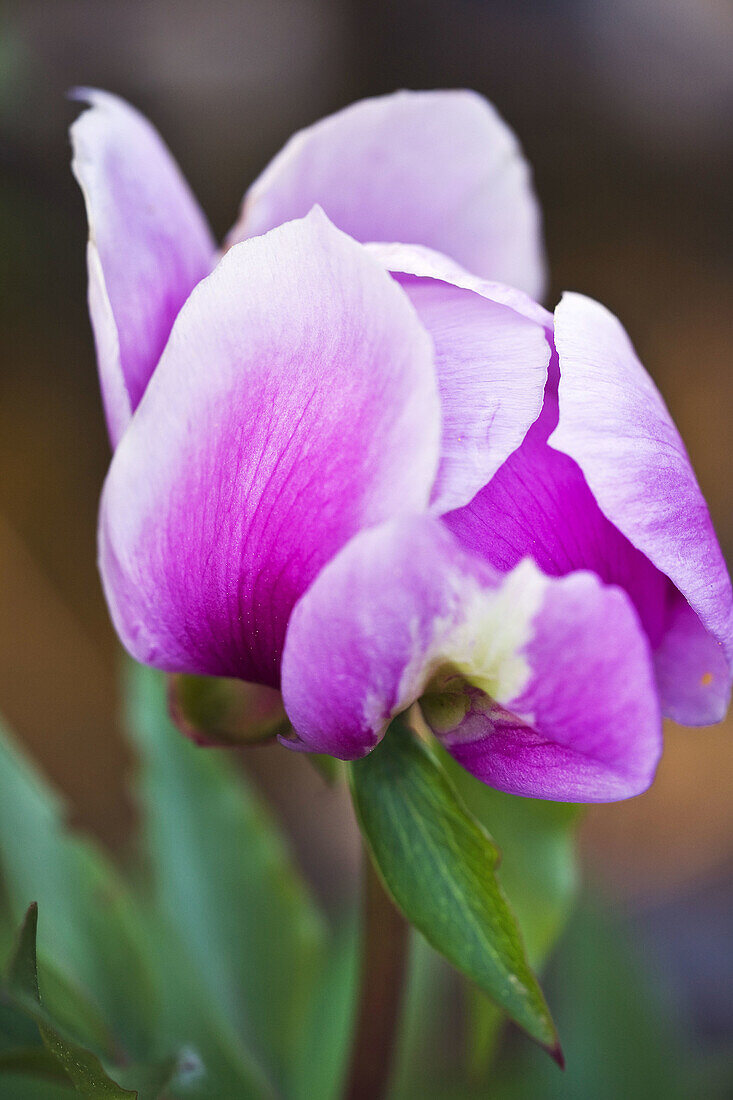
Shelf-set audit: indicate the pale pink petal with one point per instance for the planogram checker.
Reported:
(437, 168)
(492, 348)
(615, 425)
(149, 245)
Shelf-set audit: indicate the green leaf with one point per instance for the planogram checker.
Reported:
(439, 865)
(538, 873)
(91, 927)
(82, 1068)
(538, 870)
(17, 1032)
(223, 880)
(22, 977)
(72, 1010)
(35, 1061)
(98, 933)
(64, 998)
(18, 1086)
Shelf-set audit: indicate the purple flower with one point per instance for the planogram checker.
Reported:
(362, 475)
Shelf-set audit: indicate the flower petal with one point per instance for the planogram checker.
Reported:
(434, 168)
(615, 425)
(492, 349)
(149, 245)
(295, 403)
(538, 686)
(692, 670)
(587, 726)
(538, 505)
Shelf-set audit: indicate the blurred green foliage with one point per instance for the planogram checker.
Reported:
(208, 970)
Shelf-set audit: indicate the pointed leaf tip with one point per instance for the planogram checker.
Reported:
(22, 969)
(557, 1055)
(79, 1066)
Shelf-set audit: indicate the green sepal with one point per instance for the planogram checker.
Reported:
(216, 711)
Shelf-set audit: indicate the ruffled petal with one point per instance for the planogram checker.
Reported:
(492, 348)
(435, 168)
(296, 402)
(615, 425)
(149, 244)
(538, 686)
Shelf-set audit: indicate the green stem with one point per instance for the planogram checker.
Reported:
(384, 952)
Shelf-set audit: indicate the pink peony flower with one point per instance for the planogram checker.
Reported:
(370, 474)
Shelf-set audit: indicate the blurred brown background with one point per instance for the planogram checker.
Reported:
(625, 109)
